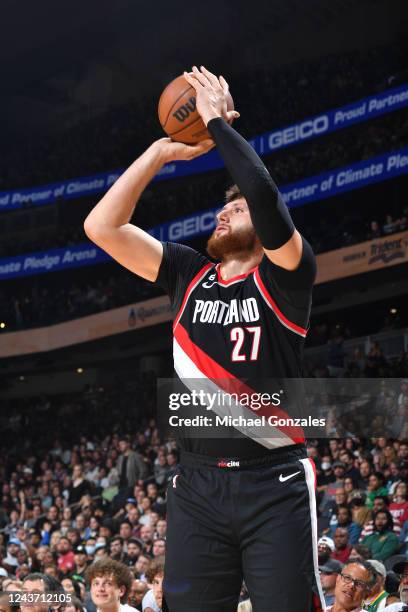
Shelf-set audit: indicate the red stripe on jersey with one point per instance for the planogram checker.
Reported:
(312, 463)
(228, 382)
(316, 605)
(233, 279)
(189, 289)
(273, 305)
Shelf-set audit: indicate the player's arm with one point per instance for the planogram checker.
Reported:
(273, 224)
(108, 224)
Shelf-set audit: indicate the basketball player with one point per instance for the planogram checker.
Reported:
(237, 508)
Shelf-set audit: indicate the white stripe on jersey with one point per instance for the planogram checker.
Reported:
(194, 379)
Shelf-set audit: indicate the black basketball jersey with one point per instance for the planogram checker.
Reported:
(251, 327)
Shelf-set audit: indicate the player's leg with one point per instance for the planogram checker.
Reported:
(203, 567)
(279, 539)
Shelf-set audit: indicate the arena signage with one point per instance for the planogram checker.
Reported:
(364, 257)
(318, 187)
(321, 186)
(313, 127)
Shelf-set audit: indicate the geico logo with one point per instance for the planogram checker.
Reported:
(185, 110)
(298, 132)
(192, 225)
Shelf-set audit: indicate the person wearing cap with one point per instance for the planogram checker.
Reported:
(11, 561)
(328, 576)
(81, 560)
(378, 598)
(400, 568)
(134, 549)
(325, 547)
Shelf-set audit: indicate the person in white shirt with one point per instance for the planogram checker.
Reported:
(110, 582)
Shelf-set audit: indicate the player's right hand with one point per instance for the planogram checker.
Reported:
(177, 151)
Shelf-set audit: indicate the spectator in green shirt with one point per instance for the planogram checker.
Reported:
(383, 543)
(376, 488)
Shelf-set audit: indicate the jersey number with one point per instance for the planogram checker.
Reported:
(238, 336)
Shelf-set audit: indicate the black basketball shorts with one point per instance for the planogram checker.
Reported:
(232, 520)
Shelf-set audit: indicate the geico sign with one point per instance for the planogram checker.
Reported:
(293, 133)
(192, 226)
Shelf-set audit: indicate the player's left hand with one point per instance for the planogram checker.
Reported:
(211, 94)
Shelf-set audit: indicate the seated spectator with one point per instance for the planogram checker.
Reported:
(401, 569)
(378, 598)
(376, 488)
(41, 583)
(325, 548)
(343, 519)
(380, 503)
(153, 600)
(374, 231)
(137, 591)
(359, 552)
(352, 585)
(328, 576)
(342, 547)
(75, 605)
(403, 539)
(399, 504)
(110, 582)
(383, 543)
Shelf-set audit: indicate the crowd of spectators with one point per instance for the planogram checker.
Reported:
(73, 500)
(288, 94)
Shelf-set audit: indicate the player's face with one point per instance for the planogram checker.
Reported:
(234, 232)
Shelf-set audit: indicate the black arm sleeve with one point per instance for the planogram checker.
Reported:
(269, 213)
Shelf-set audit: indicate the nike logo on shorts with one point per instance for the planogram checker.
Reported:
(283, 478)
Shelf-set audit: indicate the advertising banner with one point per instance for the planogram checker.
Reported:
(313, 127)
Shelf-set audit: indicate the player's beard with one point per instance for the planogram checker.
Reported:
(242, 241)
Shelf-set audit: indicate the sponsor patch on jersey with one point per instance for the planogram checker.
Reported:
(228, 464)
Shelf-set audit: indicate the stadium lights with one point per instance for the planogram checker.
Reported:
(2, 325)
(79, 370)
(393, 311)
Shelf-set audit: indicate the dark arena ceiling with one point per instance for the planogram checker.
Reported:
(66, 60)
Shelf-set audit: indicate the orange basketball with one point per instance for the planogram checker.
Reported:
(178, 115)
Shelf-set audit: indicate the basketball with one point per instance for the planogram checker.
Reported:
(178, 115)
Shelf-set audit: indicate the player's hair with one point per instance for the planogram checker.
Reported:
(232, 193)
(108, 567)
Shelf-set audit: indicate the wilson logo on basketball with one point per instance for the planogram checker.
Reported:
(185, 110)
